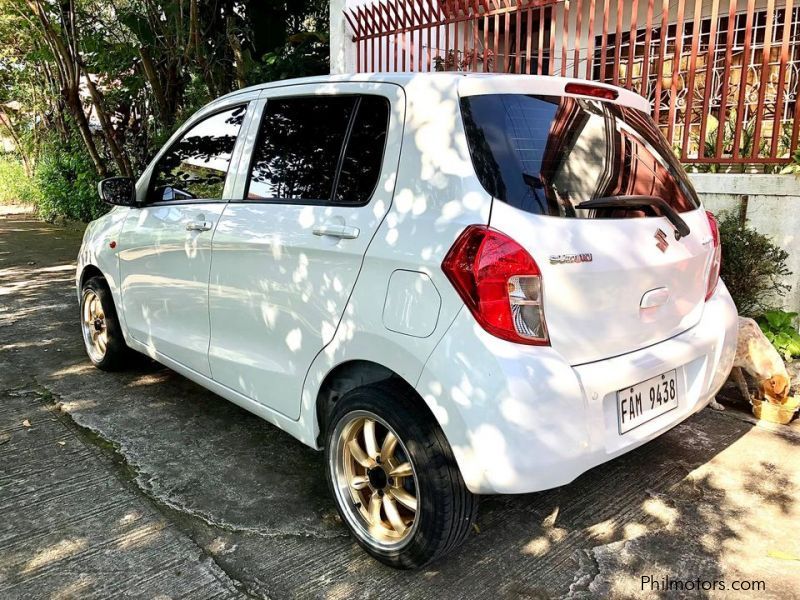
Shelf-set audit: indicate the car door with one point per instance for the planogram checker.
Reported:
(165, 245)
(286, 257)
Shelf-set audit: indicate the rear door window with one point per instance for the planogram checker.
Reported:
(298, 148)
(319, 149)
(363, 157)
(545, 155)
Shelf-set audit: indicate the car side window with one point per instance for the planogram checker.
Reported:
(319, 149)
(195, 166)
(363, 156)
(298, 148)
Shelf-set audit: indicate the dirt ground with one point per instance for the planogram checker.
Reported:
(144, 484)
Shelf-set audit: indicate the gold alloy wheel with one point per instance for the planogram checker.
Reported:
(375, 480)
(93, 325)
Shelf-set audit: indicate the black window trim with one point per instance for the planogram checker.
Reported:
(343, 151)
(188, 127)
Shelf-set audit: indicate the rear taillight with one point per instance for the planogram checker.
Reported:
(500, 283)
(595, 91)
(716, 259)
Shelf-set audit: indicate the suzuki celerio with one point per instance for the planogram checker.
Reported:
(453, 284)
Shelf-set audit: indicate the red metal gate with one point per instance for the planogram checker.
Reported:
(721, 75)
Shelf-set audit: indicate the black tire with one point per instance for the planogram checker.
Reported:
(446, 509)
(116, 355)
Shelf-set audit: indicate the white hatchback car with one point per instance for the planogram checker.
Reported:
(455, 285)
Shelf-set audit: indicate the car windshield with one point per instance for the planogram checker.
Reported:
(547, 154)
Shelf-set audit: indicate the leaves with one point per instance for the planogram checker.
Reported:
(153, 64)
(780, 328)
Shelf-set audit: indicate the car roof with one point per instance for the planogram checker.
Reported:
(469, 83)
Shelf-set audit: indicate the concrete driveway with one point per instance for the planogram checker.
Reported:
(144, 484)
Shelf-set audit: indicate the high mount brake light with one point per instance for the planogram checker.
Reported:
(595, 91)
(712, 279)
(500, 283)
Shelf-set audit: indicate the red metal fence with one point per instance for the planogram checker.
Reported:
(721, 75)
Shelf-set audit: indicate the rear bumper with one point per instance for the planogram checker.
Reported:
(520, 419)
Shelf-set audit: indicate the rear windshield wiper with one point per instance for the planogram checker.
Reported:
(681, 228)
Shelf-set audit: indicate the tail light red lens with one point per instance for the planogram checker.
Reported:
(595, 91)
(500, 283)
(712, 278)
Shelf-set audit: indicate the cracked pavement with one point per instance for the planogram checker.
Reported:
(146, 485)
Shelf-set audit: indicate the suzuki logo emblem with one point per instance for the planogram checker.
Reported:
(661, 240)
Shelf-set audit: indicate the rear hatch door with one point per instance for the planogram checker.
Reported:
(615, 279)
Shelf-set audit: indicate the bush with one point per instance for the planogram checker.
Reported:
(15, 186)
(67, 183)
(754, 269)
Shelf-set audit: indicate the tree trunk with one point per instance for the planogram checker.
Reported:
(123, 164)
(155, 84)
(76, 109)
(238, 54)
(64, 53)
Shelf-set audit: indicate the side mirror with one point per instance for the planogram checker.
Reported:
(119, 191)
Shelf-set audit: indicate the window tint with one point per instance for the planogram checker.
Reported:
(546, 155)
(363, 157)
(196, 166)
(298, 148)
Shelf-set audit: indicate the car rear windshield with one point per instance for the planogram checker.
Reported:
(547, 154)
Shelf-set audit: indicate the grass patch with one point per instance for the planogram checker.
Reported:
(15, 186)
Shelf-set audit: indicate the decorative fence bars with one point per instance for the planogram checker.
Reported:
(721, 75)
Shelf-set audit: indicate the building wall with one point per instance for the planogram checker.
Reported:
(343, 50)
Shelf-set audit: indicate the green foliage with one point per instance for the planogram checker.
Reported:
(67, 184)
(15, 186)
(780, 328)
(753, 267)
(793, 168)
(153, 64)
(305, 54)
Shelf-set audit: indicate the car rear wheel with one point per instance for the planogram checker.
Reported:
(102, 336)
(394, 478)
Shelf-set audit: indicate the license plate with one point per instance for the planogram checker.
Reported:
(647, 400)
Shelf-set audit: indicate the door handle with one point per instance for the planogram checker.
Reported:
(198, 226)
(344, 232)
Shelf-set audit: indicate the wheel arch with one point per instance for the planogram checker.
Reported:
(88, 272)
(353, 374)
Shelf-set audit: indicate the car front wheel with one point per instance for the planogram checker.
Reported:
(394, 478)
(102, 335)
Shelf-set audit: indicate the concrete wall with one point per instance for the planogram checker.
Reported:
(773, 208)
(343, 50)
